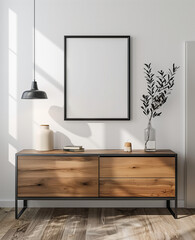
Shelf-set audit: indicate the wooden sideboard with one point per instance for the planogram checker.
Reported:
(96, 174)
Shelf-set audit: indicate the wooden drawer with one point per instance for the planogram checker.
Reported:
(137, 167)
(137, 187)
(57, 187)
(51, 176)
(46, 166)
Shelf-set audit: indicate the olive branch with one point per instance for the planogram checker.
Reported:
(158, 87)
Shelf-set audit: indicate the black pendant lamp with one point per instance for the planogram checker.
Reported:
(34, 92)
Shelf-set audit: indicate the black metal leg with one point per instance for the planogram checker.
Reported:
(170, 209)
(25, 203)
(17, 215)
(175, 208)
(16, 209)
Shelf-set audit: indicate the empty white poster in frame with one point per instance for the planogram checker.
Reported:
(97, 77)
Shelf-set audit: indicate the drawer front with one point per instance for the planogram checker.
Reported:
(48, 176)
(137, 167)
(57, 187)
(137, 187)
(35, 166)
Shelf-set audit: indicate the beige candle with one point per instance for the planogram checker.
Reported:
(127, 147)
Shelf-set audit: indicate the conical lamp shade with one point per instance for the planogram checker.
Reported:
(34, 93)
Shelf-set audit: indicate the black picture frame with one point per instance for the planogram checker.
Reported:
(66, 118)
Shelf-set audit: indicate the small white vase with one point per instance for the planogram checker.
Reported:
(44, 139)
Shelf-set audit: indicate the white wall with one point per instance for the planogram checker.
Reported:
(158, 29)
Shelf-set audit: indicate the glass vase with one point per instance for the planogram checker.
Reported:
(150, 138)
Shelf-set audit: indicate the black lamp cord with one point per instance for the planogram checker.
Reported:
(34, 40)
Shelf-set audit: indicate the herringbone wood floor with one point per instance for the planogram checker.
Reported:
(97, 224)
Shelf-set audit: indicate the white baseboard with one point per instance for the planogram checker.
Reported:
(94, 203)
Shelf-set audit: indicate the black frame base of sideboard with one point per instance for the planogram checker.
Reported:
(25, 201)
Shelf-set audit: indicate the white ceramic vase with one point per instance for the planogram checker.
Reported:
(44, 139)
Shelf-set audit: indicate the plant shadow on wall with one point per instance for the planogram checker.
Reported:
(57, 113)
(61, 140)
(120, 131)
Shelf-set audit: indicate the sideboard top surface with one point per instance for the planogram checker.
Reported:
(99, 152)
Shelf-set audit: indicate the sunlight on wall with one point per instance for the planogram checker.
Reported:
(12, 151)
(49, 75)
(36, 127)
(97, 138)
(12, 73)
(49, 57)
(12, 117)
(129, 137)
(12, 53)
(12, 31)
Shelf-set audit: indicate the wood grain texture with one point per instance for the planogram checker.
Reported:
(57, 187)
(56, 176)
(66, 223)
(76, 225)
(57, 224)
(37, 227)
(19, 227)
(94, 221)
(4, 212)
(99, 224)
(95, 152)
(6, 220)
(57, 166)
(137, 187)
(137, 167)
